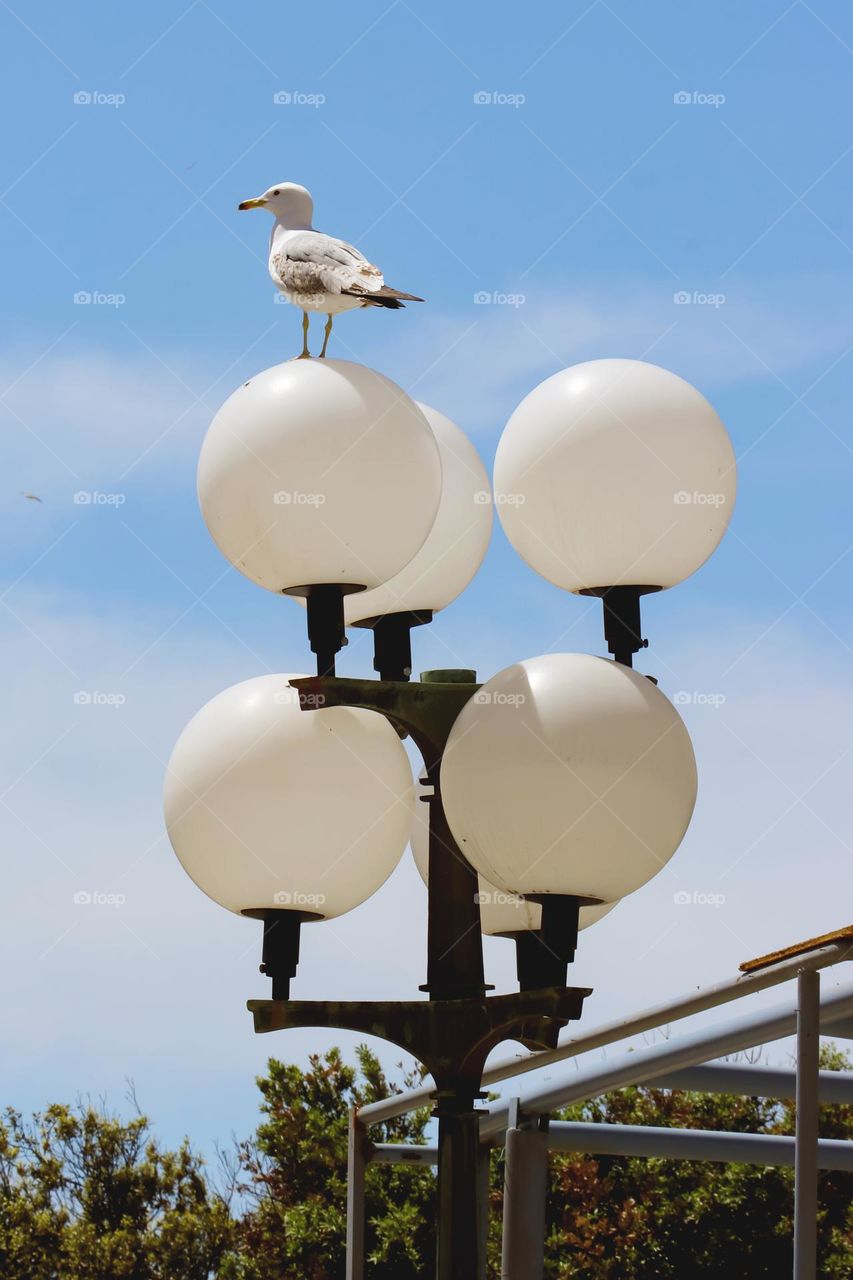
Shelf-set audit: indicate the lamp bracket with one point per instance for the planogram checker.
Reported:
(452, 1038)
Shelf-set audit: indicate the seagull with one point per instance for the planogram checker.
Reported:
(31, 497)
(314, 271)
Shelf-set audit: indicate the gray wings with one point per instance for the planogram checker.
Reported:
(313, 263)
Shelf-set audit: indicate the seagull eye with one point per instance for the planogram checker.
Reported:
(276, 193)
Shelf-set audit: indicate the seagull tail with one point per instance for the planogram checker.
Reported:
(387, 297)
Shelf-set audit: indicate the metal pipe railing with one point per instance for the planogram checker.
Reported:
(611, 1032)
(693, 1144)
(681, 1064)
(833, 1087)
(647, 1064)
(657, 1142)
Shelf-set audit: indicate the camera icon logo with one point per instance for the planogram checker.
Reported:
(82, 898)
(483, 298)
(82, 98)
(682, 898)
(482, 98)
(282, 898)
(482, 497)
(282, 98)
(682, 98)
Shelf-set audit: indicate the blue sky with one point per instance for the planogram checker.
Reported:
(583, 187)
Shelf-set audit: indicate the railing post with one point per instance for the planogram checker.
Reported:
(356, 1165)
(525, 1194)
(806, 1149)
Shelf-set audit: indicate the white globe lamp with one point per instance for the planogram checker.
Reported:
(319, 478)
(242, 811)
(569, 775)
(615, 478)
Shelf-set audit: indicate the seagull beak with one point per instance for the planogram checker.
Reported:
(257, 203)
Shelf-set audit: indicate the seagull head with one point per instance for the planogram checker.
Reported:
(289, 203)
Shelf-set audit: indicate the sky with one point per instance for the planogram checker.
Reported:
(665, 182)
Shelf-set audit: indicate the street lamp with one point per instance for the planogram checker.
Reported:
(563, 783)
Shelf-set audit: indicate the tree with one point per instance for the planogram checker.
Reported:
(607, 1217)
(642, 1219)
(295, 1178)
(85, 1196)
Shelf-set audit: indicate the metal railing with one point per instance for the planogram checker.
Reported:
(679, 1063)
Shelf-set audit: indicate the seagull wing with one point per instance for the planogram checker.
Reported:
(311, 262)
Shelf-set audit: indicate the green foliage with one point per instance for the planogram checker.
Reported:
(295, 1178)
(85, 1196)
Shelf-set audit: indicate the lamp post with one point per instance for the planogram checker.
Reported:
(553, 790)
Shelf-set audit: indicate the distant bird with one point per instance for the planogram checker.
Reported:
(314, 271)
(31, 497)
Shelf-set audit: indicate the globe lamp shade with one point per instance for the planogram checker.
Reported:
(319, 472)
(568, 774)
(614, 473)
(269, 807)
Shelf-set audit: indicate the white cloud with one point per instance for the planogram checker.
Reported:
(478, 365)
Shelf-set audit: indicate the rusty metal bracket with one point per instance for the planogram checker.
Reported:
(452, 1038)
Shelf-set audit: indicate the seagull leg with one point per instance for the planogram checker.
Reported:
(304, 354)
(327, 331)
